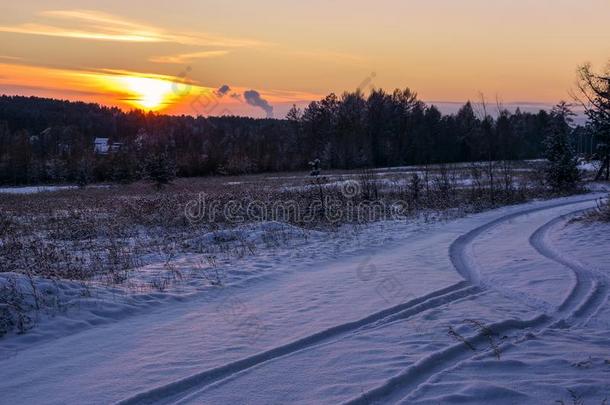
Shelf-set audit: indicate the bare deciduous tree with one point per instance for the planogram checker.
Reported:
(594, 95)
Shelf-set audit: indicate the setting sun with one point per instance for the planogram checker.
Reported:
(147, 93)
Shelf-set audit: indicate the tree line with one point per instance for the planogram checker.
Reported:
(47, 140)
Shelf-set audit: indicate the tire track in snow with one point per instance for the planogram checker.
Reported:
(589, 291)
(576, 305)
(458, 251)
(186, 386)
(402, 384)
(586, 298)
(433, 303)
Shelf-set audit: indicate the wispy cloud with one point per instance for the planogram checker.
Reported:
(291, 96)
(95, 25)
(93, 16)
(188, 57)
(326, 56)
(10, 58)
(51, 31)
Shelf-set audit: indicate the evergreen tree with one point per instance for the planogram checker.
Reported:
(562, 170)
(44, 140)
(159, 168)
(123, 168)
(84, 172)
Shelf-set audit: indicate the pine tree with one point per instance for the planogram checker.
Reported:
(562, 172)
(160, 169)
(123, 167)
(84, 172)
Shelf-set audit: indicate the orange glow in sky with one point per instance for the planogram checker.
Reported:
(147, 93)
(141, 54)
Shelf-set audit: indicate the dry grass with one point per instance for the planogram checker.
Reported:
(14, 308)
(82, 234)
(600, 214)
(102, 234)
(577, 399)
(493, 338)
(603, 211)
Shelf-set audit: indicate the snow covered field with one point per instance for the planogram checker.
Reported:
(42, 189)
(34, 189)
(386, 176)
(506, 307)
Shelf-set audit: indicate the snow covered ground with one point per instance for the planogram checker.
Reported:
(34, 189)
(505, 307)
(43, 189)
(592, 166)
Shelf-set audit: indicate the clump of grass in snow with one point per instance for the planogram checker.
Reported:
(491, 336)
(603, 211)
(600, 213)
(576, 399)
(455, 335)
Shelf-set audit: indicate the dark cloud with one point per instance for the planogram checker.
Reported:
(254, 98)
(223, 90)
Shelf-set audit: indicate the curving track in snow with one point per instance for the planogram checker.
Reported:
(175, 390)
(331, 336)
(590, 289)
(582, 301)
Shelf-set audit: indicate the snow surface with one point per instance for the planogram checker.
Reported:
(34, 189)
(592, 166)
(42, 189)
(361, 319)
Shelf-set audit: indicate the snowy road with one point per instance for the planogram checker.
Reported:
(485, 308)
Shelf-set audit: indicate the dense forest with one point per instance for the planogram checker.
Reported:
(45, 140)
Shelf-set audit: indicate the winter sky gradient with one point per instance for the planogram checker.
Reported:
(131, 54)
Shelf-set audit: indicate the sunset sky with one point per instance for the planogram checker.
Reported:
(259, 57)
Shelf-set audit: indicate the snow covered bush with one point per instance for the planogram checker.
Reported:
(15, 307)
